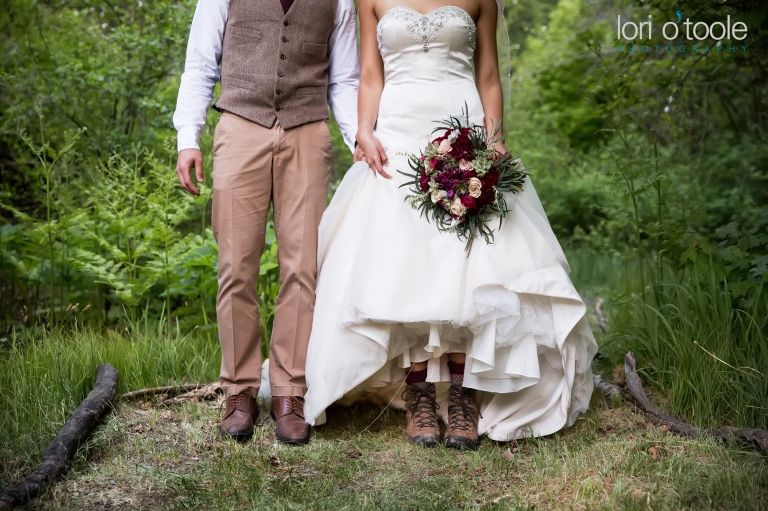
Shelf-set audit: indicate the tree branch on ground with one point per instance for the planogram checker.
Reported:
(634, 386)
(609, 390)
(204, 393)
(168, 389)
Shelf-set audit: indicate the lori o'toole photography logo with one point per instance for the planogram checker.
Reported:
(705, 37)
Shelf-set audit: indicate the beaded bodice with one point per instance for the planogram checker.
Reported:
(424, 27)
(436, 46)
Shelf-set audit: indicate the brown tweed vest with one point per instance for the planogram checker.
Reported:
(275, 65)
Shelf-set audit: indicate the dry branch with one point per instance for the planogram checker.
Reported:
(758, 437)
(169, 389)
(611, 391)
(59, 454)
(203, 392)
(601, 322)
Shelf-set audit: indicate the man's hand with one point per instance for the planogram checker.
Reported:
(190, 159)
(374, 153)
(359, 155)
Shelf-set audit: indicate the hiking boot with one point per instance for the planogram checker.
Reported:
(462, 419)
(291, 428)
(239, 416)
(422, 426)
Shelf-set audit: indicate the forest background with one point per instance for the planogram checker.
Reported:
(652, 167)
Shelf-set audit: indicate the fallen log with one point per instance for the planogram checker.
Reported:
(758, 437)
(62, 449)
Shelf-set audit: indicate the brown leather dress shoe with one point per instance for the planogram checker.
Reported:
(288, 411)
(461, 432)
(239, 416)
(421, 424)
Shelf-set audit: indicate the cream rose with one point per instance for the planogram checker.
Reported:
(437, 196)
(465, 165)
(445, 147)
(457, 208)
(475, 187)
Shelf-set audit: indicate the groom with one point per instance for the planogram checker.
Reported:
(282, 63)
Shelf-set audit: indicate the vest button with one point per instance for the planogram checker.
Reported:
(285, 39)
(280, 74)
(283, 57)
(285, 23)
(278, 92)
(277, 108)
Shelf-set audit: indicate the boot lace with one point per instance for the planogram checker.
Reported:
(462, 411)
(422, 405)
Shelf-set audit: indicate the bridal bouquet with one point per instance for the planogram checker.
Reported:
(459, 180)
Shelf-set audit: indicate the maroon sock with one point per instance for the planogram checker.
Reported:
(457, 372)
(416, 377)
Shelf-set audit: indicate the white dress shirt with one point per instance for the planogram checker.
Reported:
(201, 71)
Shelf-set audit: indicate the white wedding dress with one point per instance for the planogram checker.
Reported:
(393, 290)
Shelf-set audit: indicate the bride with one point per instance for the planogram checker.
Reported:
(494, 342)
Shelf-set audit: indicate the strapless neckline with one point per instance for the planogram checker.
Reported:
(423, 27)
(427, 14)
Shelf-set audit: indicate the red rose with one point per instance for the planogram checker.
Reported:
(463, 149)
(468, 201)
(487, 197)
(490, 178)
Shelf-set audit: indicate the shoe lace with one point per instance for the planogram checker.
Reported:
(234, 403)
(462, 411)
(295, 406)
(422, 406)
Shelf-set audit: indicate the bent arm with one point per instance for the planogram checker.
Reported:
(201, 71)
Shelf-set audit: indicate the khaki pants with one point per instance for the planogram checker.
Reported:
(253, 166)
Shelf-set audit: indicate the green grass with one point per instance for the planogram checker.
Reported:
(698, 347)
(42, 382)
(174, 458)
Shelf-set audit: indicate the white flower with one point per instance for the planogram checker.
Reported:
(457, 208)
(438, 195)
(454, 135)
(475, 187)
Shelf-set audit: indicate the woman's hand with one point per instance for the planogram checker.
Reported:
(374, 154)
(500, 149)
